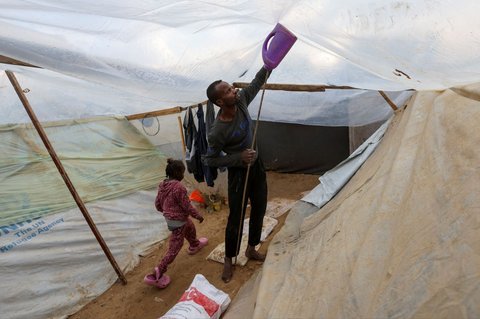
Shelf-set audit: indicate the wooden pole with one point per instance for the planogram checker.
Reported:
(64, 175)
(271, 86)
(296, 87)
(139, 116)
(390, 102)
(172, 110)
(7, 60)
(184, 148)
(311, 88)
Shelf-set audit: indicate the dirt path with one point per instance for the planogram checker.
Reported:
(136, 300)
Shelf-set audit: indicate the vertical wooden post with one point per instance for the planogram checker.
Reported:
(64, 175)
(184, 148)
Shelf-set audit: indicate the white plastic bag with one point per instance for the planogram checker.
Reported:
(200, 301)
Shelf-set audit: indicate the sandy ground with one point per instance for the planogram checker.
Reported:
(137, 300)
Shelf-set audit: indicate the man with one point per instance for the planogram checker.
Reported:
(232, 133)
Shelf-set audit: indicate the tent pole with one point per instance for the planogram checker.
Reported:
(390, 102)
(64, 175)
(172, 110)
(184, 148)
(7, 60)
(139, 116)
(296, 87)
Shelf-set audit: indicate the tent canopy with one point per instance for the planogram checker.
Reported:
(150, 55)
(120, 57)
(401, 239)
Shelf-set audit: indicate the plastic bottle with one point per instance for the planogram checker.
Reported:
(276, 46)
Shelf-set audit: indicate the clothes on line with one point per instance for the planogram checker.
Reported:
(196, 144)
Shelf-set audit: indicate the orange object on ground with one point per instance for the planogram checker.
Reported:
(196, 196)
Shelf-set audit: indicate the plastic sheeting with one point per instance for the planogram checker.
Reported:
(169, 51)
(330, 108)
(52, 266)
(104, 158)
(54, 96)
(333, 181)
(401, 239)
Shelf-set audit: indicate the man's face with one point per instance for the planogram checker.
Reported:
(227, 94)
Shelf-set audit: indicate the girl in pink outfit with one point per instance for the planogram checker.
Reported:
(173, 202)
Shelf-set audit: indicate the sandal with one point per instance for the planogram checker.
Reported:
(153, 280)
(203, 241)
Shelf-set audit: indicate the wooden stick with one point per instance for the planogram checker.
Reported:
(139, 116)
(172, 110)
(184, 147)
(311, 88)
(296, 87)
(64, 175)
(7, 60)
(390, 102)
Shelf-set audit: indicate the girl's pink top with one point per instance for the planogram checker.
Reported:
(172, 200)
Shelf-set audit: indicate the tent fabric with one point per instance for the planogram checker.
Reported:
(333, 181)
(165, 53)
(358, 43)
(52, 266)
(104, 158)
(329, 108)
(401, 239)
(48, 92)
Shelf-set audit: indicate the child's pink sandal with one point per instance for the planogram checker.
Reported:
(153, 280)
(203, 241)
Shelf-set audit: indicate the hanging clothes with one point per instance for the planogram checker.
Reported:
(209, 116)
(195, 166)
(209, 119)
(210, 173)
(190, 133)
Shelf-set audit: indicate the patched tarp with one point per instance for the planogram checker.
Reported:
(50, 261)
(401, 239)
(104, 158)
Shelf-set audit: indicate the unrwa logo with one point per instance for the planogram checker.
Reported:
(13, 228)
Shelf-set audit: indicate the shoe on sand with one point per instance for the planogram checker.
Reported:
(154, 280)
(203, 241)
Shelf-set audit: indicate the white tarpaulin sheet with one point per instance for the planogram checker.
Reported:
(401, 239)
(169, 51)
(52, 266)
(54, 96)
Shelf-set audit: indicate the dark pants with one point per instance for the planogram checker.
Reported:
(257, 193)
